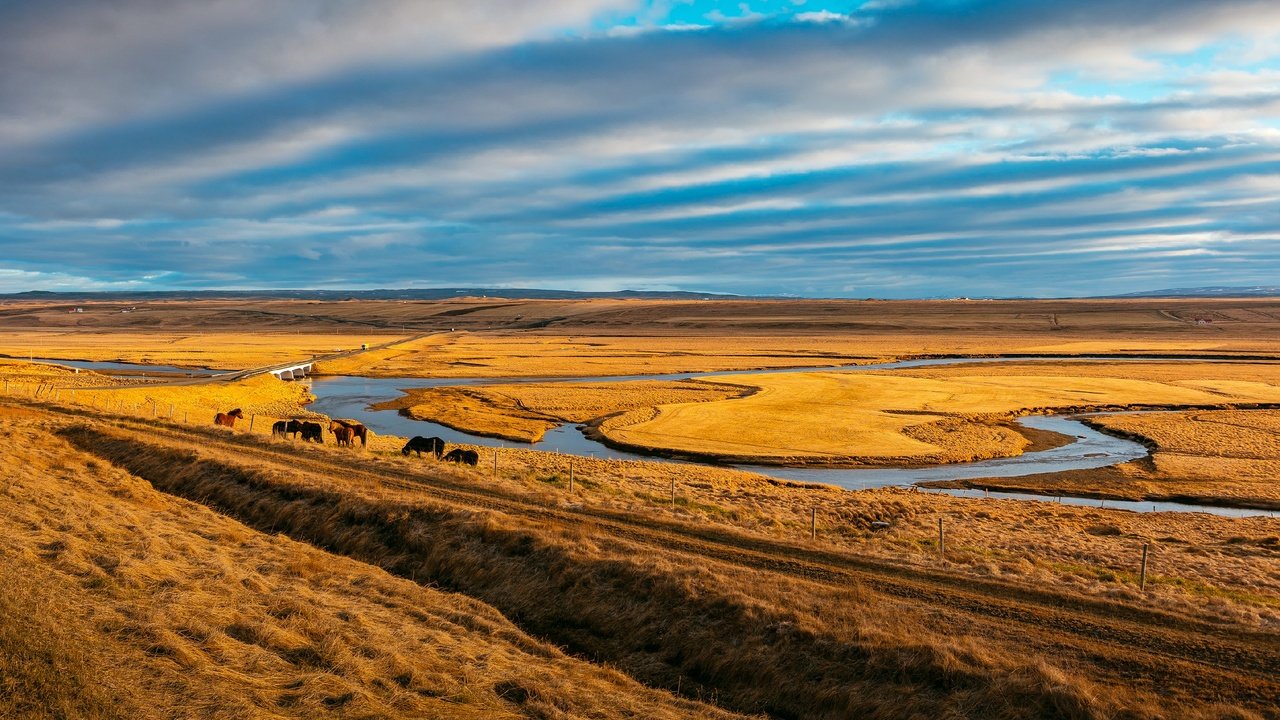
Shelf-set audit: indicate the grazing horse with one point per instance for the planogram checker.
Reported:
(357, 429)
(420, 445)
(344, 435)
(458, 455)
(228, 419)
(284, 427)
(312, 431)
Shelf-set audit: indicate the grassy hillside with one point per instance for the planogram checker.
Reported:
(747, 623)
(123, 601)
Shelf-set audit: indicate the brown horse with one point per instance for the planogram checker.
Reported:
(344, 436)
(228, 419)
(357, 429)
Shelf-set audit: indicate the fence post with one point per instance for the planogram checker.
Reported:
(186, 415)
(1142, 578)
(495, 463)
(571, 474)
(813, 523)
(170, 411)
(942, 539)
(251, 419)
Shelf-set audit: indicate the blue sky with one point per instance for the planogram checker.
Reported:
(885, 148)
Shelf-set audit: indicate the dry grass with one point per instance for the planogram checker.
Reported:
(1202, 565)
(1017, 535)
(23, 376)
(47, 667)
(263, 398)
(944, 414)
(225, 350)
(746, 638)
(465, 354)
(524, 411)
(131, 603)
(529, 338)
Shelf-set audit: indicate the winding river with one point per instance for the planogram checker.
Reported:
(351, 397)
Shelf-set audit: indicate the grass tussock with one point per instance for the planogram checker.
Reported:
(47, 669)
(747, 640)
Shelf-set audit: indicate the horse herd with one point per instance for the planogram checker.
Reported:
(345, 432)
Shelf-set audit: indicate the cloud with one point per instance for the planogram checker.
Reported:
(932, 145)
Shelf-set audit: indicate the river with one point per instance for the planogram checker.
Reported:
(351, 397)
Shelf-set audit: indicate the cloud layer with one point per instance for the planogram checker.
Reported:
(895, 149)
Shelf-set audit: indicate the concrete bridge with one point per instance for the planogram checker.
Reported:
(292, 372)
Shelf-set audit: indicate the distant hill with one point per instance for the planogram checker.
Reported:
(388, 294)
(1211, 291)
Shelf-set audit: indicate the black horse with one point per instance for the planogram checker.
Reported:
(458, 455)
(312, 431)
(420, 445)
(284, 427)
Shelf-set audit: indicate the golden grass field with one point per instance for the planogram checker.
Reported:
(263, 398)
(524, 411)
(1046, 542)
(157, 566)
(1229, 569)
(249, 623)
(942, 414)
(225, 350)
(530, 338)
(121, 601)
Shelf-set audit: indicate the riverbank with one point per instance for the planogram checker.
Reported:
(1213, 456)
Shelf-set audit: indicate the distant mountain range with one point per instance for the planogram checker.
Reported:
(403, 294)
(537, 294)
(1211, 291)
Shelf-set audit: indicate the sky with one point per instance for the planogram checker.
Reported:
(832, 148)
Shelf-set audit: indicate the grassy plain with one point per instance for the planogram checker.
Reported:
(226, 350)
(529, 338)
(941, 414)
